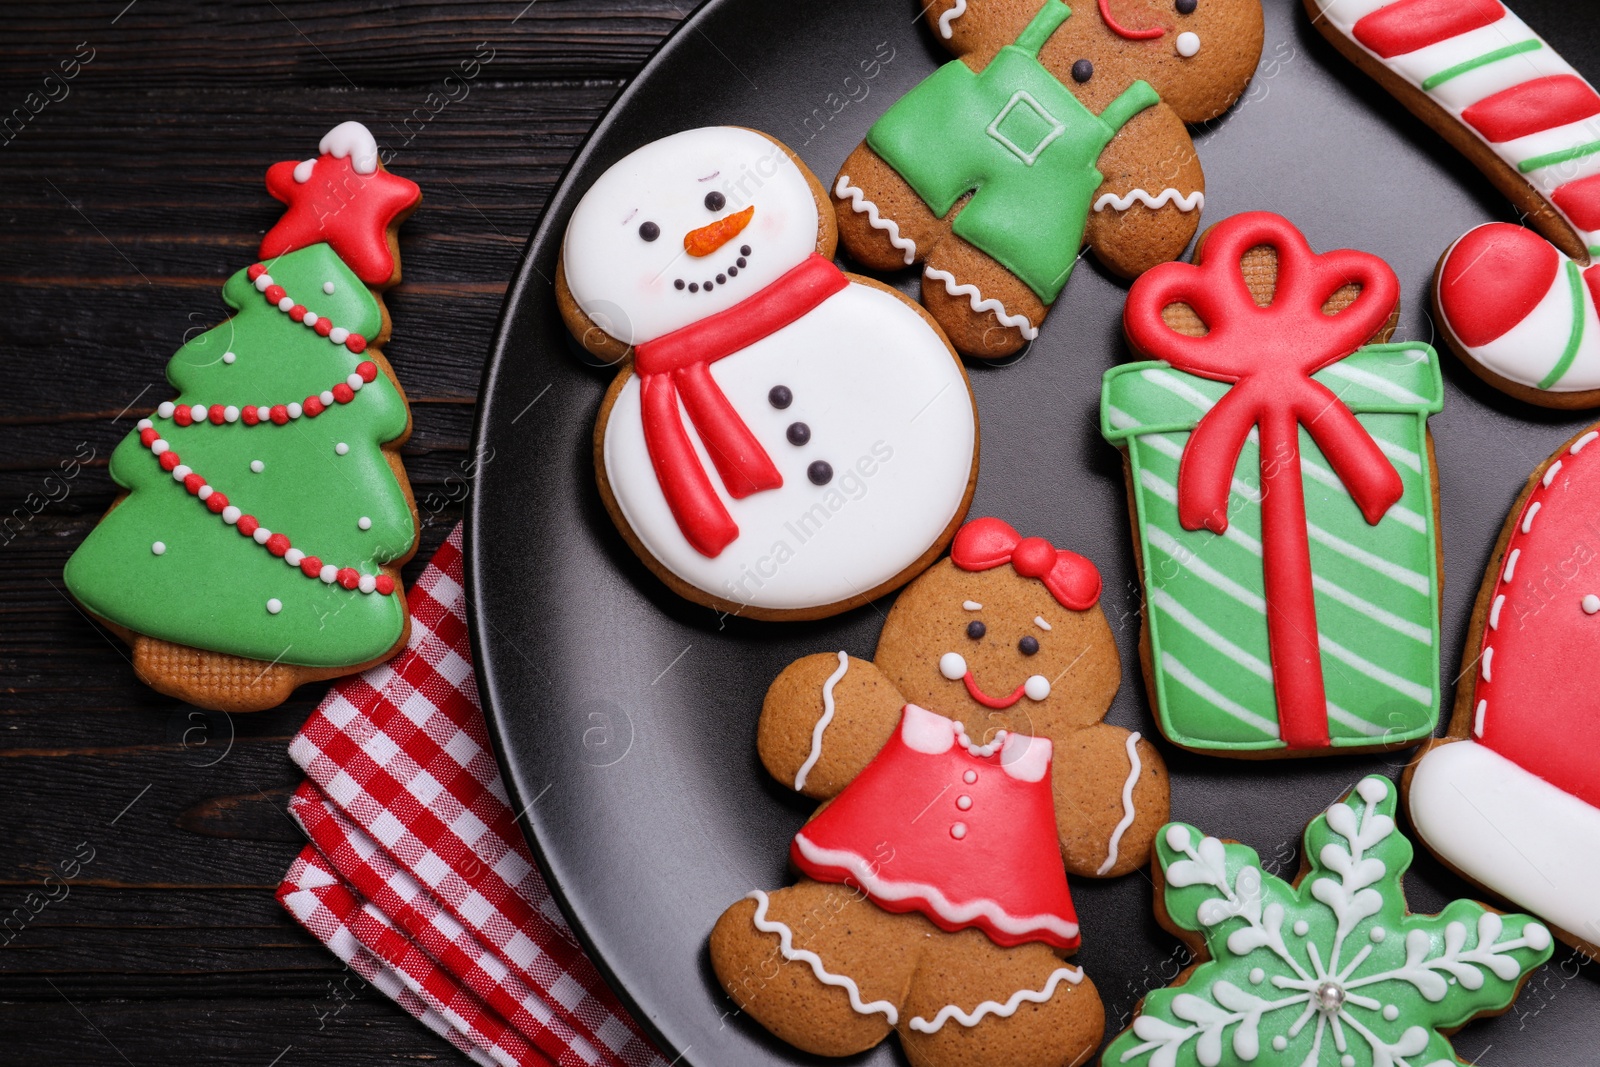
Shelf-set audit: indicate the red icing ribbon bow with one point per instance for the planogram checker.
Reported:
(678, 366)
(983, 544)
(1269, 354)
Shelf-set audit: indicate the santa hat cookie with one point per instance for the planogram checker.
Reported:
(1511, 797)
(784, 440)
(1514, 308)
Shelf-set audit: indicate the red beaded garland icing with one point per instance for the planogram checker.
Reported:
(279, 298)
(248, 525)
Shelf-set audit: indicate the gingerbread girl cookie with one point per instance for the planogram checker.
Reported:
(1054, 128)
(965, 771)
(1510, 798)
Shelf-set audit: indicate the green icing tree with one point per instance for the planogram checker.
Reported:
(1334, 972)
(163, 564)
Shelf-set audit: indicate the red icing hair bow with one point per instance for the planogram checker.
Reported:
(1269, 354)
(983, 544)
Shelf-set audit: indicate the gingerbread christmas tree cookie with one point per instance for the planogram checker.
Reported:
(1331, 971)
(266, 513)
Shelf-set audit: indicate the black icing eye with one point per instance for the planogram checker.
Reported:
(976, 629)
(1028, 645)
(1186, 7)
(649, 231)
(715, 201)
(1083, 70)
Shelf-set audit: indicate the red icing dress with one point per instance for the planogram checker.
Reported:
(964, 834)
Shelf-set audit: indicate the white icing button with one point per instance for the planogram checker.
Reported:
(326, 396)
(341, 448)
(228, 357)
(1302, 928)
(364, 523)
(159, 547)
(1178, 838)
(1591, 604)
(1347, 1060)
(166, 409)
(1280, 1043)
(293, 557)
(286, 303)
(952, 666)
(145, 424)
(1257, 976)
(262, 535)
(230, 414)
(257, 466)
(230, 514)
(964, 802)
(1188, 44)
(1036, 687)
(327, 287)
(970, 777)
(328, 573)
(1391, 1012)
(338, 335)
(274, 606)
(310, 319)
(1378, 933)
(159, 446)
(367, 583)
(958, 830)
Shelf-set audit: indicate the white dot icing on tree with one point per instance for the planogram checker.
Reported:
(341, 448)
(327, 287)
(364, 523)
(229, 357)
(159, 548)
(257, 466)
(274, 606)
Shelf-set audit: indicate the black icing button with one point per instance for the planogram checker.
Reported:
(1186, 7)
(744, 250)
(780, 397)
(678, 284)
(742, 262)
(715, 201)
(1083, 70)
(649, 231)
(976, 629)
(798, 433)
(820, 472)
(1028, 645)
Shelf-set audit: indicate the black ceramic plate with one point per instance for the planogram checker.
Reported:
(626, 717)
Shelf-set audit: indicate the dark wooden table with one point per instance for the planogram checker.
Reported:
(133, 142)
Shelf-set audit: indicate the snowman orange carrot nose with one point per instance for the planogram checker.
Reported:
(707, 239)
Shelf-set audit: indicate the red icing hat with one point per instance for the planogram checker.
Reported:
(983, 544)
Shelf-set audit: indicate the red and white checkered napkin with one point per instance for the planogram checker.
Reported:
(417, 875)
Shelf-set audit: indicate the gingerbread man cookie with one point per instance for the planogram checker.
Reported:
(1054, 128)
(965, 771)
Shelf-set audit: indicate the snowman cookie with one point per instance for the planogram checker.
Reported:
(1518, 308)
(1510, 798)
(965, 772)
(783, 439)
(1054, 128)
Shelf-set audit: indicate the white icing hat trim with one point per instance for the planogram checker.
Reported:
(1027, 759)
(963, 914)
(352, 140)
(1548, 870)
(925, 732)
(826, 977)
(1074, 975)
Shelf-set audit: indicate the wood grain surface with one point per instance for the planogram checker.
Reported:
(133, 142)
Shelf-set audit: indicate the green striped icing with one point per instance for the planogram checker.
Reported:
(1376, 587)
(1432, 83)
(1565, 155)
(1575, 338)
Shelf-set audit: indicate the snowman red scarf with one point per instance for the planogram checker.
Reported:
(678, 365)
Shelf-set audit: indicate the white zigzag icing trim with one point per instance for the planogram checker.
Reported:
(862, 206)
(786, 946)
(1134, 769)
(822, 723)
(1194, 201)
(1006, 1010)
(980, 305)
(950, 16)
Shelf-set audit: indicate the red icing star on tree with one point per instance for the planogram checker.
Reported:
(344, 198)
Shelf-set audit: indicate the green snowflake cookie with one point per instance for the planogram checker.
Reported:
(1332, 972)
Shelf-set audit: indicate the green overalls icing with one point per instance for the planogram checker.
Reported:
(1019, 138)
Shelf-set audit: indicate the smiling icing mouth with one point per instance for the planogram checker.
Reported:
(954, 667)
(731, 271)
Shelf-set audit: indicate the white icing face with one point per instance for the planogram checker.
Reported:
(625, 253)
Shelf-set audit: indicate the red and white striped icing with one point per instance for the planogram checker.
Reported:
(1485, 66)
